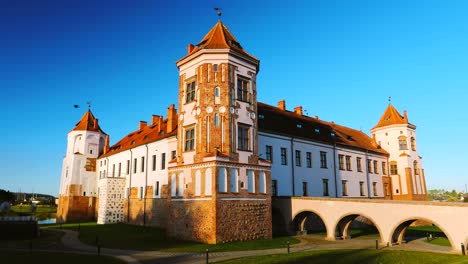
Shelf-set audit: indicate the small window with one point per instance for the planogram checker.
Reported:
(142, 164)
(269, 153)
(359, 164)
(309, 159)
(243, 137)
(304, 189)
(299, 126)
(284, 158)
(376, 167)
(348, 163)
(242, 90)
(317, 130)
(402, 143)
(369, 166)
(393, 168)
(163, 161)
(344, 187)
(298, 158)
(190, 92)
(156, 189)
(325, 187)
(361, 188)
(374, 188)
(173, 154)
(274, 188)
(323, 159)
(341, 161)
(260, 116)
(134, 165)
(216, 92)
(250, 181)
(154, 162)
(190, 139)
(215, 67)
(216, 119)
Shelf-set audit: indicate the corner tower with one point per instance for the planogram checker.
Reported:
(397, 136)
(219, 188)
(77, 194)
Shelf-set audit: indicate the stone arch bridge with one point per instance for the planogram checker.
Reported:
(390, 217)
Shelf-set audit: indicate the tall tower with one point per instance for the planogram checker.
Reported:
(398, 137)
(77, 195)
(219, 188)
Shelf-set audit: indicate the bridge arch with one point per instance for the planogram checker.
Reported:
(300, 219)
(398, 230)
(343, 224)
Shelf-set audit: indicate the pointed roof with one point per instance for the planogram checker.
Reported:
(391, 117)
(219, 37)
(89, 123)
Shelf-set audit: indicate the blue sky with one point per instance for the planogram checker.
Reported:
(339, 59)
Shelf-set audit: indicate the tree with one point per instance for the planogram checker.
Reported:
(7, 196)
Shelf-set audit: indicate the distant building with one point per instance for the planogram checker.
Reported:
(208, 172)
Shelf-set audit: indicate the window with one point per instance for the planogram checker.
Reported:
(384, 168)
(374, 188)
(341, 161)
(298, 158)
(344, 187)
(163, 161)
(284, 159)
(113, 170)
(120, 169)
(269, 153)
(359, 164)
(222, 180)
(141, 192)
(415, 167)
(304, 188)
(173, 154)
(393, 168)
(215, 67)
(134, 165)
(348, 163)
(216, 91)
(128, 167)
(274, 188)
(325, 187)
(323, 159)
(309, 159)
(197, 183)
(250, 181)
(154, 162)
(361, 188)
(156, 189)
(173, 185)
(262, 181)
(242, 90)
(208, 181)
(369, 166)
(180, 189)
(234, 180)
(190, 139)
(402, 143)
(386, 189)
(216, 120)
(142, 164)
(190, 92)
(243, 137)
(376, 167)
(413, 144)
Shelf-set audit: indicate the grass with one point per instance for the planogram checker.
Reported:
(438, 237)
(11, 256)
(150, 238)
(42, 211)
(353, 256)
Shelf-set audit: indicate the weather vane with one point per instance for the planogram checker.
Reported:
(218, 10)
(89, 105)
(389, 99)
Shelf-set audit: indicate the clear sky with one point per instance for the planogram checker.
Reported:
(340, 60)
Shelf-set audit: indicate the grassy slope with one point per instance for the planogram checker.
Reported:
(353, 256)
(10, 256)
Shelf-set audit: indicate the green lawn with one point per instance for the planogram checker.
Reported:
(11, 256)
(438, 237)
(149, 238)
(353, 256)
(42, 211)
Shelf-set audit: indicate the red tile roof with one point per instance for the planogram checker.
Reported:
(274, 120)
(219, 37)
(145, 135)
(89, 123)
(391, 117)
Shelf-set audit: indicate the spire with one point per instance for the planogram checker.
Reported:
(88, 122)
(391, 117)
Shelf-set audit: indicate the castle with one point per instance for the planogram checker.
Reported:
(208, 171)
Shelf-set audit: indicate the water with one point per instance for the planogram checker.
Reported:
(47, 221)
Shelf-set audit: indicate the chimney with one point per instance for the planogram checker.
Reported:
(95, 123)
(106, 144)
(171, 118)
(405, 115)
(160, 123)
(316, 117)
(298, 110)
(154, 119)
(282, 105)
(190, 48)
(142, 124)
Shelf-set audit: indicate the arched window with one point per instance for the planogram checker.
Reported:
(262, 185)
(216, 91)
(250, 181)
(415, 167)
(393, 168)
(402, 143)
(413, 144)
(173, 185)
(217, 95)
(234, 179)
(180, 191)
(197, 183)
(216, 120)
(208, 181)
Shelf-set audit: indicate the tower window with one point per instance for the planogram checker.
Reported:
(413, 144)
(216, 120)
(190, 139)
(190, 92)
(393, 168)
(215, 67)
(242, 90)
(243, 138)
(402, 143)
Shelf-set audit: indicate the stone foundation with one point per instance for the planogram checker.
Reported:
(76, 209)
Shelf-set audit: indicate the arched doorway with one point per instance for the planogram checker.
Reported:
(419, 229)
(308, 222)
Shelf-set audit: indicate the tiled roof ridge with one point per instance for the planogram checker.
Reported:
(88, 123)
(391, 116)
